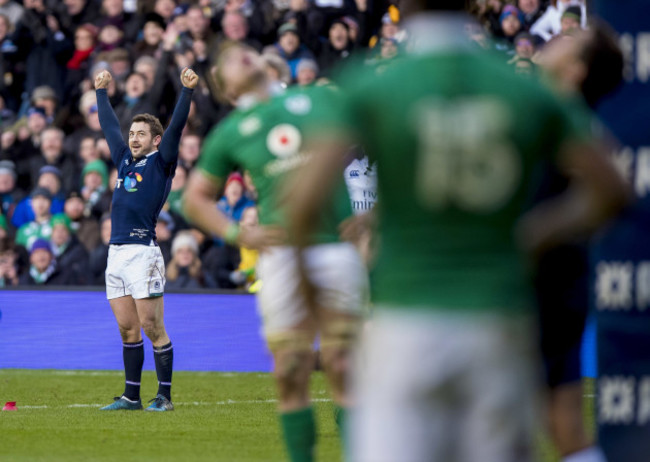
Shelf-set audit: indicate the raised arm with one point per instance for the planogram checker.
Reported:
(172, 137)
(107, 118)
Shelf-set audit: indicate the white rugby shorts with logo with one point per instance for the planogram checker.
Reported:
(135, 269)
(336, 270)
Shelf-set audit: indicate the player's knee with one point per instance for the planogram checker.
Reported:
(152, 330)
(292, 369)
(337, 341)
(130, 334)
(336, 361)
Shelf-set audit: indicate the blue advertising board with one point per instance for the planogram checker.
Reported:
(621, 257)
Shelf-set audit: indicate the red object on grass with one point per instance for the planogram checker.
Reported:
(10, 406)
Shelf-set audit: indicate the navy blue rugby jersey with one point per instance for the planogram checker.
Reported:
(144, 183)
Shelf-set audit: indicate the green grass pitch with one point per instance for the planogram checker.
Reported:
(218, 417)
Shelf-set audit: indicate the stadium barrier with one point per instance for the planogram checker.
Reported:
(75, 329)
(211, 331)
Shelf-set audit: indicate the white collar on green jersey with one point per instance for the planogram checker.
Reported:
(439, 32)
(251, 99)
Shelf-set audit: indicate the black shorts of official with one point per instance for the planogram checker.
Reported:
(561, 285)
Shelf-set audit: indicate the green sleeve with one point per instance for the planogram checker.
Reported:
(216, 155)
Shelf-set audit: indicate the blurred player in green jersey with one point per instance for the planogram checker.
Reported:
(264, 137)
(447, 370)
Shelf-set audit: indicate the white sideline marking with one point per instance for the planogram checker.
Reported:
(189, 403)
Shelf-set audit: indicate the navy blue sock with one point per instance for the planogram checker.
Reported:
(133, 354)
(164, 358)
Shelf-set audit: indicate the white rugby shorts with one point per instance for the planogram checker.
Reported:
(442, 386)
(136, 270)
(336, 269)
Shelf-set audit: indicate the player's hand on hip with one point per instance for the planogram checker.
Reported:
(103, 79)
(261, 237)
(189, 78)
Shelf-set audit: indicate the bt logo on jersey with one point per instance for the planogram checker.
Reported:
(130, 182)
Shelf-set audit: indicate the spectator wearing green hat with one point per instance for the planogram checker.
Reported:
(41, 226)
(67, 249)
(94, 178)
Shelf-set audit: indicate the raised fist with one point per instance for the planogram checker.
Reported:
(103, 79)
(189, 78)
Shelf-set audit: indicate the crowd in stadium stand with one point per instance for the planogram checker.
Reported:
(56, 175)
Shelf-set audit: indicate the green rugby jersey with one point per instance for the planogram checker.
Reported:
(457, 138)
(267, 141)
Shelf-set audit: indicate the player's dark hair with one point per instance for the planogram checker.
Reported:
(604, 60)
(154, 124)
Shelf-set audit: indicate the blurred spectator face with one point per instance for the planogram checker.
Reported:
(74, 208)
(7, 182)
(510, 25)
(388, 49)
(197, 23)
(306, 75)
(289, 42)
(41, 207)
(60, 234)
(51, 144)
(102, 148)
(235, 26)
(241, 69)
(74, 6)
(92, 181)
(5, 26)
(165, 8)
(135, 86)
(40, 259)
(119, 67)
(48, 104)
(88, 108)
(7, 263)
(147, 69)
(569, 24)
(189, 149)
(153, 33)
(180, 178)
(528, 6)
(525, 48)
(389, 30)
(495, 5)
(184, 256)
(37, 5)
(87, 150)
(106, 231)
(184, 58)
(113, 7)
(233, 192)
(36, 123)
(50, 182)
(249, 217)
(339, 36)
(83, 39)
(234, 5)
(110, 35)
